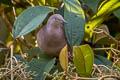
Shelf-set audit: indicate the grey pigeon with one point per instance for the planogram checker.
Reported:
(51, 37)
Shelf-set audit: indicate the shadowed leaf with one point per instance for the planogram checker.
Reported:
(30, 19)
(75, 27)
(40, 66)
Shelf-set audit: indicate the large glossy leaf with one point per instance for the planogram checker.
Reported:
(75, 27)
(83, 59)
(30, 19)
(63, 57)
(102, 14)
(92, 4)
(40, 66)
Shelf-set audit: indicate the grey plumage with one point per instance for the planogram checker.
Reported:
(51, 37)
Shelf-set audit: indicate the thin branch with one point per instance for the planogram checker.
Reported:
(14, 10)
(106, 49)
(30, 2)
(109, 76)
(11, 62)
(79, 78)
(98, 31)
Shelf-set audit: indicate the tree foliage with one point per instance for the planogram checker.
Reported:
(92, 32)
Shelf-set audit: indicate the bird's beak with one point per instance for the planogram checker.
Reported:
(65, 22)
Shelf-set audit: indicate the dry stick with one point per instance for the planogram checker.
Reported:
(104, 67)
(109, 76)
(11, 62)
(79, 78)
(14, 10)
(22, 72)
(20, 68)
(97, 68)
(106, 49)
(30, 2)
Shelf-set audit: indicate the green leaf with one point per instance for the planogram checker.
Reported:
(63, 57)
(75, 27)
(117, 13)
(1, 49)
(40, 66)
(36, 52)
(102, 60)
(83, 58)
(19, 58)
(92, 4)
(30, 19)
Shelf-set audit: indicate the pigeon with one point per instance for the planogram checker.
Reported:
(51, 37)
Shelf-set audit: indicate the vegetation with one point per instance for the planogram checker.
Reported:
(92, 32)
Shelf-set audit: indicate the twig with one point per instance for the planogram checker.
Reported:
(25, 43)
(14, 10)
(30, 2)
(11, 62)
(104, 67)
(98, 31)
(79, 78)
(97, 68)
(106, 49)
(109, 76)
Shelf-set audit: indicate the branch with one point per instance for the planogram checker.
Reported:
(11, 67)
(98, 31)
(79, 78)
(109, 76)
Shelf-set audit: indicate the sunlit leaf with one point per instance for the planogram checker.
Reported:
(101, 3)
(83, 58)
(100, 16)
(39, 2)
(75, 27)
(40, 66)
(30, 19)
(64, 58)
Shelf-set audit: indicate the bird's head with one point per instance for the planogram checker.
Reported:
(56, 19)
